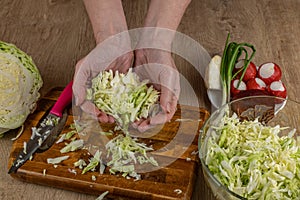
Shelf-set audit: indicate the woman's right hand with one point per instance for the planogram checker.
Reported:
(114, 54)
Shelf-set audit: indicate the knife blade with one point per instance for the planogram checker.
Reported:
(54, 133)
(43, 133)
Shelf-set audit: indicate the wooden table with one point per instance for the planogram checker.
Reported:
(58, 33)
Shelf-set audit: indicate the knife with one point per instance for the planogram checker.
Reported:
(43, 135)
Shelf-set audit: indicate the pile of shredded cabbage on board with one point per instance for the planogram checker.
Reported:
(20, 82)
(252, 160)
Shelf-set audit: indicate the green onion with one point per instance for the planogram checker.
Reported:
(231, 54)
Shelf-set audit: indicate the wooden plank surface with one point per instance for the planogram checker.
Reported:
(157, 183)
(57, 33)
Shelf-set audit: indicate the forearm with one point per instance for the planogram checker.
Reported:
(107, 17)
(165, 13)
(162, 20)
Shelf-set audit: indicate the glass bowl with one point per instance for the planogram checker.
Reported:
(266, 110)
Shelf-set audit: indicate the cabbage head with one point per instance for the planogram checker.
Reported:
(20, 82)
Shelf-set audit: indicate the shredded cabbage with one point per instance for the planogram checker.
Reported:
(73, 146)
(57, 160)
(127, 99)
(101, 197)
(122, 96)
(20, 82)
(94, 162)
(253, 160)
(80, 164)
(125, 152)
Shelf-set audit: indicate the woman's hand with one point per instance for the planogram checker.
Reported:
(107, 55)
(159, 68)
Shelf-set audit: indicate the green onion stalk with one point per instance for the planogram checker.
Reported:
(231, 54)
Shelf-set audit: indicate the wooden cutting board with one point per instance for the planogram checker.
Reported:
(174, 181)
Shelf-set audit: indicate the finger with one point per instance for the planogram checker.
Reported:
(137, 123)
(79, 83)
(170, 81)
(139, 58)
(144, 125)
(79, 92)
(90, 108)
(78, 65)
(122, 63)
(170, 89)
(143, 72)
(111, 119)
(168, 102)
(160, 118)
(172, 107)
(103, 117)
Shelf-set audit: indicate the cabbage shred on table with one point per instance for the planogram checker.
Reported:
(252, 160)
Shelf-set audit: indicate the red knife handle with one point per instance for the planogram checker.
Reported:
(63, 100)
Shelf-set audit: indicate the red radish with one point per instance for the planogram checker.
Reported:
(250, 71)
(277, 89)
(269, 72)
(256, 84)
(234, 87)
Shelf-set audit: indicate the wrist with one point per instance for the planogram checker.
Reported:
(107, 18)
(161, 23)
(166, 13)
(102, 34)
(156, 38)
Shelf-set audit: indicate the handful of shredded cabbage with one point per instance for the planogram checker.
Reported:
(253, 160)
(123, 96)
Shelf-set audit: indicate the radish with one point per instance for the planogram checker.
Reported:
(250, 71)
(277, 89)
(252, 80)
(235, 89)
(256, 84)
(269, 72)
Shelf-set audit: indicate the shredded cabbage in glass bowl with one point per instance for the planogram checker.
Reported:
(250, 149)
